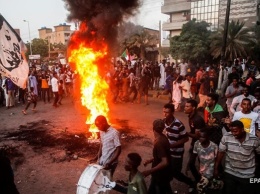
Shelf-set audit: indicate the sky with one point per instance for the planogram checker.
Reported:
(49, 13)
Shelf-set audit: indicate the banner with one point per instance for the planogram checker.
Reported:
(13, 63)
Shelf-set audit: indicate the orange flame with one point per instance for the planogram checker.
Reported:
(93, 88)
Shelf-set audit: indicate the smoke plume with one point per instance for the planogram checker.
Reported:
(100, 17)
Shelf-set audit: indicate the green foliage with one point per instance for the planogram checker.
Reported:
(135, 38)
(125, 31)
(193, 42)
(59, 46)
(240, 41)
(39, 47)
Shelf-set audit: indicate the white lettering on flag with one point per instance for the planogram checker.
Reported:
(13, 63)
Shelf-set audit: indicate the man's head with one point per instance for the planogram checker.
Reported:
(245, 91)
(133, 160)
(168, 110)
(212, 99)
(158, 125)
(234, 69)
(246, 105)
(101, 123)
(190, 106)
(235, 82)
(257, 93)
(204, 136)
(237, 129)
(188, 77)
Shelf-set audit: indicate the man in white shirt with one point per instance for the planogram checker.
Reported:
(183, 68)
(55, 88)
(247, 117)
(185, 88)
(236, 102)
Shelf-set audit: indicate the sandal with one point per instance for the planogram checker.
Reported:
(24, 112)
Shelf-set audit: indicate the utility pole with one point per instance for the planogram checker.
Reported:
(223, 51)
(29, 35)
(160, 45)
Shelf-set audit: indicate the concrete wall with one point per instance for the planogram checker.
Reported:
(243, 10)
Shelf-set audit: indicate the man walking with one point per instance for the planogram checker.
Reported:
(110, 146)
(161, 178)
(213, 114)
(177, 137)
(196, 123)
(239, 149)
(55, 88)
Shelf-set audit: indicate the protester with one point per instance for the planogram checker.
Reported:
(136, 182)
(206, 151)
(60, 91)
(185, 88)
(196, 123)
(144, 84)
(176, 93)
(204, 90)
(10, 93)
(110, 146)
(177, 137)
(31, 98)
(160, 171)
(236, 102)
(132, 85)
(247, 117)
(232, 91)
(55, 89)
(213, 115)
(238, 149)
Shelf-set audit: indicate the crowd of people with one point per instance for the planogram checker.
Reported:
(47, 84)
(224, 137)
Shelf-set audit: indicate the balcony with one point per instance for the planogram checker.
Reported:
(175, 25)
(175, 7)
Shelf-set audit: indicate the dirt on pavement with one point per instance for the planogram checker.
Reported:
(49, 148)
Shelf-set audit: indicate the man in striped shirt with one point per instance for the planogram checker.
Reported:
(239, 149)
(110, 146)
(177, 136)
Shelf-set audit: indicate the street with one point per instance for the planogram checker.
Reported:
(46, 163)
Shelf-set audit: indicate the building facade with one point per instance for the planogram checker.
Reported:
(61, 34)
(179, 14)
(211, 11)
(206, 10)
(242, 10)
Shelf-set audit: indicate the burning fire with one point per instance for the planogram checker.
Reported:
(93, 88)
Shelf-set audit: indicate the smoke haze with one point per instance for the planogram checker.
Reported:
(100, 17)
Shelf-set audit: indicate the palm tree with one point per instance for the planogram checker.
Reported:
(239, 41)
(142, 40)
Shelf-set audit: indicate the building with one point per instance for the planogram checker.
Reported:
(179, 12)
(206, 10)
(242, 10)
(151, 53)
(61, 34)
(211, 11)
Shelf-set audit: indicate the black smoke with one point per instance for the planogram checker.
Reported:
(101, 17)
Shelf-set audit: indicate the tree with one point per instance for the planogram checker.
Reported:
(193, 42)
(239, 41)
(256, 48)
(125, 31)
(39, 47)
(142, 40)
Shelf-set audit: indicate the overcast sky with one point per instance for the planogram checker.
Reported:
(49, 13)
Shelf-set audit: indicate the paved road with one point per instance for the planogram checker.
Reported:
(131, 119)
